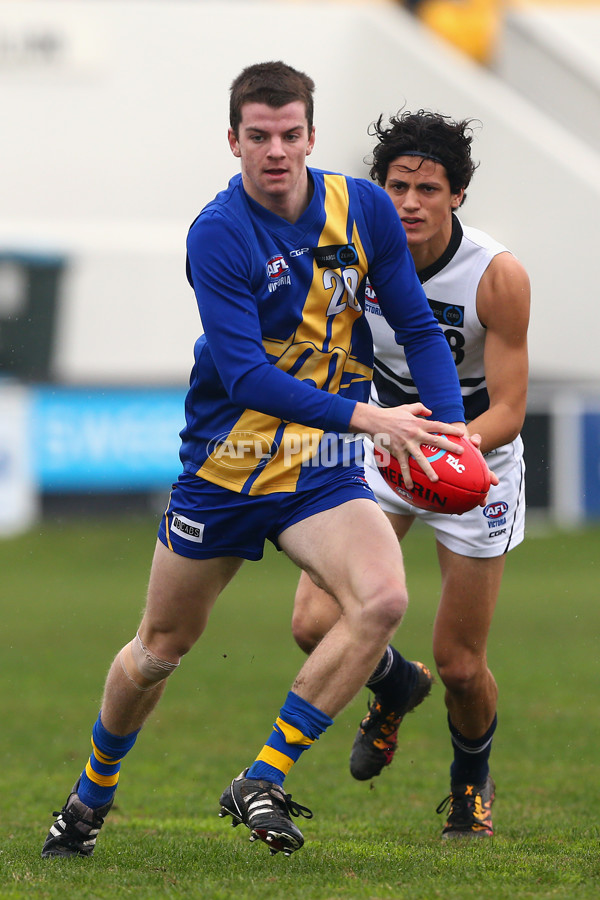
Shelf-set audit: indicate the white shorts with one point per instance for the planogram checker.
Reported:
(484, 531)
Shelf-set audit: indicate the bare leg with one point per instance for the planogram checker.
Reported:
(352, 552)
(181, 594)
(315, 612)
(470, 588)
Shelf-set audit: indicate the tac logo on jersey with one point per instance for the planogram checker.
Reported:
(335, 256)
(278, 273)
(448, 313)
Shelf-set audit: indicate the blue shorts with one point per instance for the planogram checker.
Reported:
(204, 520)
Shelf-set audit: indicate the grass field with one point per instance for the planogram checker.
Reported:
(72, 594)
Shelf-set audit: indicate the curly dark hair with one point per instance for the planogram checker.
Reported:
(436, 136)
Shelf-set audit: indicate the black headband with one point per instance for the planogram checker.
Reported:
(423, 154)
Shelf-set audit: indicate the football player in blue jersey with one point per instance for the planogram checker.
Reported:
(479, 293)
(280, 382)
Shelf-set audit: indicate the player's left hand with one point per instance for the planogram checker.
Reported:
(476, 440)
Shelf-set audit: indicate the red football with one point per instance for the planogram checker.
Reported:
(464, 479)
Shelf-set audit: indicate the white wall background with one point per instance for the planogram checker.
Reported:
(552, 56)
(113, 136)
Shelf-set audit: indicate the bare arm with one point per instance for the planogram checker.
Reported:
(503, 301)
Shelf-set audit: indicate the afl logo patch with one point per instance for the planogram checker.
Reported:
(276, 267)
(496, 510)
(370, 294)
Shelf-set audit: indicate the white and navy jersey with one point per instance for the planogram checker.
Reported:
(286, 351)
(451, 287)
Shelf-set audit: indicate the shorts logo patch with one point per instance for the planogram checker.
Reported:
(187, 528)
(496, 510)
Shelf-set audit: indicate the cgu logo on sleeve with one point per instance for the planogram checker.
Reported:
(278, 273)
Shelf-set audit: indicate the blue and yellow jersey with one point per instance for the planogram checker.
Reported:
(287, 351)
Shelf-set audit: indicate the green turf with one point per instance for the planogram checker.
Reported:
(72, 594)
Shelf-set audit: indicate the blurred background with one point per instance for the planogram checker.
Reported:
(113, 136)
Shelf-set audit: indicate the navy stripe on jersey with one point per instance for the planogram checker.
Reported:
(393, 390)
(476, 404)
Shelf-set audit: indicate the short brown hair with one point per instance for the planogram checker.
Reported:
(273, 83)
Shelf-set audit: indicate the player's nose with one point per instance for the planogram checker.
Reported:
(276, 148)
(411, 200)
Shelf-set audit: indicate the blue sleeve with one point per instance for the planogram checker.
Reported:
(405, 307)
(222, 281)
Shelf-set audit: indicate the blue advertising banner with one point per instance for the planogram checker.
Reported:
(127, 439)
(591, 463)
(106, 439)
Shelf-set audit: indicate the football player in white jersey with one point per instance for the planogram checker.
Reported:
(480, 294)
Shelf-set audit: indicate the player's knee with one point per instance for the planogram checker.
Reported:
(306, 633)
(315, 613)
(462, 674)
(385, 607)
(143, 667)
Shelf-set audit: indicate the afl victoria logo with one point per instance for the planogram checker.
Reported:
(496, 510)
(370, 294)
(276, 267)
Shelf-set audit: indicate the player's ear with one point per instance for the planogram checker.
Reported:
(457, 199)
(311, 142)
(233, 142)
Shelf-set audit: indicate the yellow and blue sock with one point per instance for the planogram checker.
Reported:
(471, 757)
(298, 726)
(100, 777)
